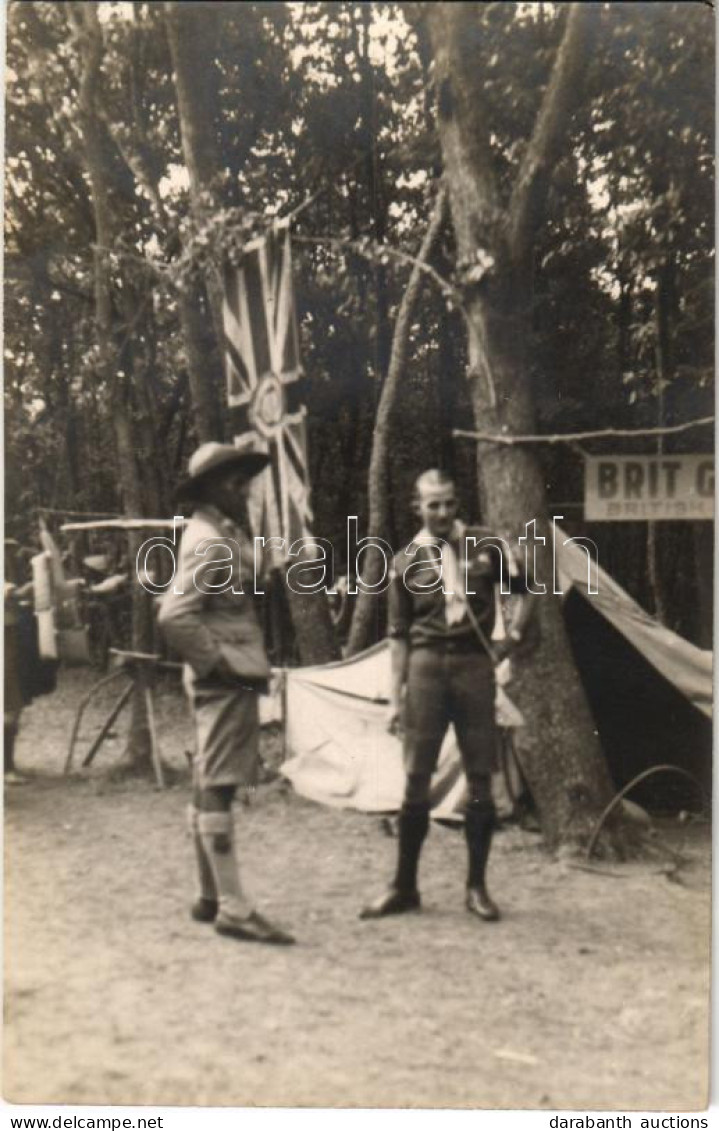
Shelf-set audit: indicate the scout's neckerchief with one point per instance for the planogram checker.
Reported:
(456, 605)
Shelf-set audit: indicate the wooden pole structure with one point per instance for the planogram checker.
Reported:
(117, 707)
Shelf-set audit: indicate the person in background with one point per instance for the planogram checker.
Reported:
(26, 675)
(13, 701)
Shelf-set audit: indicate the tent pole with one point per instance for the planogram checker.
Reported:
(283, 701)
(281, 648)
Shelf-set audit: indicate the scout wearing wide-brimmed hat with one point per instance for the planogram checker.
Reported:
(213, 461)
(209, 618)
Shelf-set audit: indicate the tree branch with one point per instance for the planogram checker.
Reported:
(560, 98)
(371, 250)
(455, 33)
(379, 461)
(83, 19)
(190, 31)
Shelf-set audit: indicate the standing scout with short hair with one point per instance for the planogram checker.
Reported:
(442, 673)
(208, 617)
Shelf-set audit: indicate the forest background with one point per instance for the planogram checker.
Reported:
(147, 143)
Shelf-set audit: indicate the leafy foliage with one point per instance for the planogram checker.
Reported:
(325, 110)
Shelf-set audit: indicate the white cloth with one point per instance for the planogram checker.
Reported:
(448, 568)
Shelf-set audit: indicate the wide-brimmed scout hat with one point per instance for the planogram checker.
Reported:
(211, 456)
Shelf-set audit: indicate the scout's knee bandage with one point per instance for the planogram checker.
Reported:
(218, 828)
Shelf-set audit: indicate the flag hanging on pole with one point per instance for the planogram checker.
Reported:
(260, 319)
(262, 360)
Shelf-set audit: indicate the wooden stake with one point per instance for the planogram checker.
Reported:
(80, 712)
(119, 704)
(154, 745)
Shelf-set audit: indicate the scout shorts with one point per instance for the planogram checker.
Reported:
(227, 731)
(444, 687)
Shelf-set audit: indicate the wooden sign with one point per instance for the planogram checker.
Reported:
(631, 488)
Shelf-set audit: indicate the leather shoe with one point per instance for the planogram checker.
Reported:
(480, 904)
(393, 902)
(253, 928)
(204, 910)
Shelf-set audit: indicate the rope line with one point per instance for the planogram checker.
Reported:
(571, 437)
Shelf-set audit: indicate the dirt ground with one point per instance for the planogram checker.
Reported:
(592, 991)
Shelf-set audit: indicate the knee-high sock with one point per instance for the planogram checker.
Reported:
(205, 877)
(217, 836)
(413, 826)
(479, 822)
(9, 749)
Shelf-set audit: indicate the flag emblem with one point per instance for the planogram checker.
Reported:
(267, 406)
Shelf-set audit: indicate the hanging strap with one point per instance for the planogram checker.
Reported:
(481, 635)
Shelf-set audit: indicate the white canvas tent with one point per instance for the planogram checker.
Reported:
(341, 752)
(341, 755)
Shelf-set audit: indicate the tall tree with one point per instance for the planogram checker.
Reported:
(112, 338)
(193, 39)
(298, 98)
(191, 32)
(496, 221)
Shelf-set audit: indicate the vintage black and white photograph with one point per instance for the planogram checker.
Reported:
(359, 499)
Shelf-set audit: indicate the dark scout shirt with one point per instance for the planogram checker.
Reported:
(417, 603)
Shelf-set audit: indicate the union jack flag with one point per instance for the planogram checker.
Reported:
(262, 359)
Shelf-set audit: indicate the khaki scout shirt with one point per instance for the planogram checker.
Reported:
(416, 607)
(209, 611)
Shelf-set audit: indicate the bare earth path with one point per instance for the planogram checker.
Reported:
(593, 991)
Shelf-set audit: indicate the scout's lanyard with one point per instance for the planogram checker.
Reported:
(480, 634)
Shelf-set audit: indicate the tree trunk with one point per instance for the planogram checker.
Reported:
(203, 365)
(447, 366)
(663, 374)
(377, 201)
(191, 30)
(624, 319)
(558, 746)
(207, 416)
(365, 614)
(703, 543)
(315, 636)
(654, 574)
(84, 19)
(138, 750)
